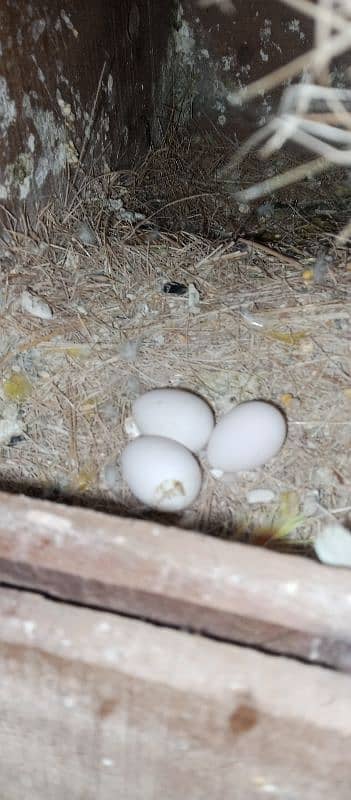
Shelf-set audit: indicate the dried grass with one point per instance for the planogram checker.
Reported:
(273, 321)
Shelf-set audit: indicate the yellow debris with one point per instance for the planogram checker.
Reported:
(17, 387)
(286, 399)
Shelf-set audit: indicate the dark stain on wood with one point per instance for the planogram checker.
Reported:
(243, 719)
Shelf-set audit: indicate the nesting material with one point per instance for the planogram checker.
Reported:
(261, 331)
(260, 496)
(35, 306)
(333, 546)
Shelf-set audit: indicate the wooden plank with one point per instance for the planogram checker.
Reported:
(95, 706)
(283, 604)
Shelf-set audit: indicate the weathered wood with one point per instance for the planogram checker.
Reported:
(283, 604)
(99, 707)
(76, 79)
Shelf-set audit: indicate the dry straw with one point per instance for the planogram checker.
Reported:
(266, 315)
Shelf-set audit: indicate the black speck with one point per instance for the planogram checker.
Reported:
(16, 440)
(175, 288)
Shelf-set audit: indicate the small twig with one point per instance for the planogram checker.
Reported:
(163, 208)
(263, 248)
(293, 175)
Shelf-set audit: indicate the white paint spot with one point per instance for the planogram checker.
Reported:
(184, 41)
(256, 496)
(131, 428)
(46, 520)
(65, 107)
(69, 702)
(7, 108)
(205, 53)
(119, 539)
(35, 305)
(266, 31)
(31, 143)
(291, 588)
(245, 70)
(111, 655)
(217, 474)
(38, 27)
(110, 84)
(53, 139)
(315, 649)
(103, 627)
(235, 579)
(66, 19)
(294, 25)
(107, 762)
(333, 545)
(264, 56)
(29, 627)
(227, 63)
(10, 423)
(222, 120)
(42, 171)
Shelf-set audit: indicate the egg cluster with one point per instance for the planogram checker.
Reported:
(161, 467)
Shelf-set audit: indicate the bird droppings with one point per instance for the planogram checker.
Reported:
(44, 519)
(69, 702)
(69, 24)
(260, 496)
(35, 306)
(103, 627)
(107, 762)
(29, 627)
(315, 649)
(8, 112)
(66, 643)
(111, 655)
(119, 539)
(291, 588)
(333, 545)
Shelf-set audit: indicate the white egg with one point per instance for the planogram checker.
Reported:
(176, 414)
(247, 437)
(161, 473)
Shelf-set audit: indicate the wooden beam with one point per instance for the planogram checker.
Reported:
(100, 707)
(282, 604)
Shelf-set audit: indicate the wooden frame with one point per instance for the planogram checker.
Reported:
(95, 703)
